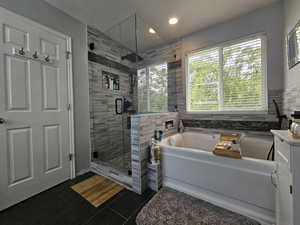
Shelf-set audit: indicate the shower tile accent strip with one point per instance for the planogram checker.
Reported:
(232, 125)
(142, 130)
(110, 63)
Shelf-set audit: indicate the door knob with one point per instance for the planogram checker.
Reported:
(2, 121)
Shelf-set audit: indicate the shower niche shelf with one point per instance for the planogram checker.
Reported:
(110, 81)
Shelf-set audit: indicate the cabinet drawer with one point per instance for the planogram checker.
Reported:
(282, 152)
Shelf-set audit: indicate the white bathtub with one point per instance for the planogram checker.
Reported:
(241, 185)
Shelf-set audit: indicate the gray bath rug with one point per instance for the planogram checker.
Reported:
(170, 207)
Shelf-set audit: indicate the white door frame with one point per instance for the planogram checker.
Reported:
(70, 81)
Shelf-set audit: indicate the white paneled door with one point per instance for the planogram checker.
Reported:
(34, 109)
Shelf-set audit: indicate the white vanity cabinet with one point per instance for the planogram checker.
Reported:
(287, 157)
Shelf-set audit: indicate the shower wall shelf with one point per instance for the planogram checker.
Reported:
(110, 81)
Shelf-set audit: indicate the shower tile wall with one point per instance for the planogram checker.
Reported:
(106, 126)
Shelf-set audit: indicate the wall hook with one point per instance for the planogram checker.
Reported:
(47, 59)
(35, 55)
(21, 51)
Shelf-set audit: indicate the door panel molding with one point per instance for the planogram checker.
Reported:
(51, 87)
(20, 155)
(50, 48)
(16, 36)
(52, 147)
(17, 75)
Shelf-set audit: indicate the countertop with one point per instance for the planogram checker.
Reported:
(286, 136)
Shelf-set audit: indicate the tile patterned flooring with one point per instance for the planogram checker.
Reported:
(63, 206)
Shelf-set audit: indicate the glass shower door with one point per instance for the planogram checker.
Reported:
(111, 133)
(115, 132)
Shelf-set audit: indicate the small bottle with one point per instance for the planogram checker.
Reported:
(157, 153)
(152, 152)
(156, 135)
(161, 135)
(111, 83)
(180, 127)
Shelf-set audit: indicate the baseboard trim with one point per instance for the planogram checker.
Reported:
(83, 171)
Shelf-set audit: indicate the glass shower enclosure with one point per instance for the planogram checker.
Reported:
(114, 58)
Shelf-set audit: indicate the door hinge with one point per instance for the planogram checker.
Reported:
(71, 156)
(291, 189)
(68, 55)
(69, 107)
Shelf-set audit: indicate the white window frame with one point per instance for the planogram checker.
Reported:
(263, 38)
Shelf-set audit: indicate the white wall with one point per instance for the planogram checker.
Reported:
(45, 14)
(291, 76)
(291, 17)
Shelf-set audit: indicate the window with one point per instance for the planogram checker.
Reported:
(228, 78)
(153, 88)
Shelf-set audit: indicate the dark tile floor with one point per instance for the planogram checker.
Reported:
(62, 206)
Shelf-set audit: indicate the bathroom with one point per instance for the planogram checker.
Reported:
(184, 74)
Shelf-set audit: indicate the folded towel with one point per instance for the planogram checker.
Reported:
(230, 137)
(227, 153)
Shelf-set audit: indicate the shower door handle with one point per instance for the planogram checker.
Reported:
(119, 110)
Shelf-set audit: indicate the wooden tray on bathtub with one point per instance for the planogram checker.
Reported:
(227, 149)
(228, 153)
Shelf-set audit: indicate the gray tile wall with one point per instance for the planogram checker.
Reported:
(291, 101)
(142, 130)
(154, 177)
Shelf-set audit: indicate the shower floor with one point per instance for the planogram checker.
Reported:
(122, 162)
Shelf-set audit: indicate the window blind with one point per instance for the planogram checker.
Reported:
(227, 78)
(298, 38)
(242, 76)
(204, 80)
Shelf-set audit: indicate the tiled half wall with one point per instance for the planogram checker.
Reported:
(142, 130)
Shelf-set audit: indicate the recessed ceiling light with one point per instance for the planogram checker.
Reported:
(152, 31)
(173, 20)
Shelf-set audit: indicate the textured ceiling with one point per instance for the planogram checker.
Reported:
(193, 14)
